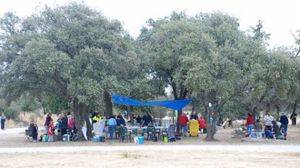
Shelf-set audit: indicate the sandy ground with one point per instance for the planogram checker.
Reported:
(156, 156)
(15, 138)
(189, 152)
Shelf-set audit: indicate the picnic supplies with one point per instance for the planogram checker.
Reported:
(45, 138)
(139, 140)
(164, 137)
(96, 138)
(194, 127)
(66, 138)
(122, 130)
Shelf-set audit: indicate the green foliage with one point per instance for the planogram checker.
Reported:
(28, 103)
(68, 53)
(208, 57)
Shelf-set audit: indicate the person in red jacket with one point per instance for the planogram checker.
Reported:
(183, 120)
(51, 131)
(202, 124)
(249, 124)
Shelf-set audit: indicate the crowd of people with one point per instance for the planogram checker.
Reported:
(113, 122)
(271, 128)
(184, 123)
(65, 125)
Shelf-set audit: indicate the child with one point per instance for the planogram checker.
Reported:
(202, 124)
(51, 132)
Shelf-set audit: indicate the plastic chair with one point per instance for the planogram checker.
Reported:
(123, 134)
(151, 132)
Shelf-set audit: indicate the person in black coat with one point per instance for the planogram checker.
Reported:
(64, 124)
(120, 120)
(284, 124)
(294, 118)
(139, 119)
(33, 129)
(147, 119)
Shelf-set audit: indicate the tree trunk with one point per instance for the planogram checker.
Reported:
(210, 126)
(255, 114)
(79, 109)
(212, 115)
(268, 107)
(210, 132)
(278, 111)
(295, 107)
(88, 126)
(108, 103)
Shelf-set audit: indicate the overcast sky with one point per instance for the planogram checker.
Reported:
(281, 18)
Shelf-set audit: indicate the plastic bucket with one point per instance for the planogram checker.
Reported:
(140, 140)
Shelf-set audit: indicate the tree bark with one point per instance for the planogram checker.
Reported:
(211, 129)
(268, 107)
(108, 103)
(278, 111)
(295, 106)
(211, 126)
(79, 110)
(211, 115)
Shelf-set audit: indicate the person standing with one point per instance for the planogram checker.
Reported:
(3, 119)
(120, 120)
(112, 124)
(250, 124)
(147, 119)
(51, 131)
(294, 118)
(59, 126)
(183, 123)
(284, 124)
(47, 122)
(139, 120)
(64, 124)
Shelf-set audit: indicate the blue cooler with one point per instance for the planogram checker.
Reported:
(96, 138)
(45, 138)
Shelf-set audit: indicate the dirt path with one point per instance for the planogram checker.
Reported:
(224, 156)
(227, 152)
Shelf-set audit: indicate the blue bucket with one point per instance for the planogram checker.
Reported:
(140, 140)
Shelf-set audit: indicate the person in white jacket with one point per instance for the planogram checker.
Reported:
(268, 121)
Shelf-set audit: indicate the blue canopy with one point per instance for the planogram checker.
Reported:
(172, 104)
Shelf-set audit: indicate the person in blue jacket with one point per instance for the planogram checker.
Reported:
(112, 124)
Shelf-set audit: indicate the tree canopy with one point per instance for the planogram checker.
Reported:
(73, 57)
